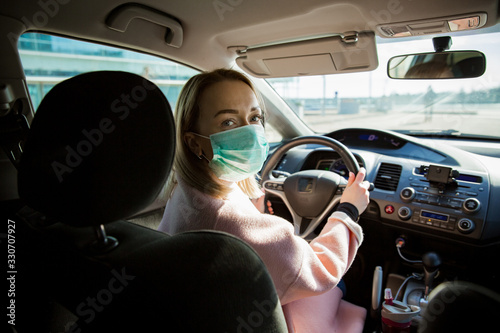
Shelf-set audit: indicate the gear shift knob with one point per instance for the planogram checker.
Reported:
(431, 262)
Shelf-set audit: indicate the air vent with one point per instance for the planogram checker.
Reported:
(388, 177)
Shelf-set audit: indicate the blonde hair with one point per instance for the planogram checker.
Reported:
(187, 165)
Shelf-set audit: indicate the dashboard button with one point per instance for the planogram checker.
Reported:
(422, 197)
(471, 205)
(407, 194)
(466, 226)
(274, 186)
(404, 213)
(433, 199)
(445, 201)
(389, 209)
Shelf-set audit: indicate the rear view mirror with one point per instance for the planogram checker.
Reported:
(437, 65)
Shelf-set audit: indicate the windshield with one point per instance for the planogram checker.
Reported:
(462, 107)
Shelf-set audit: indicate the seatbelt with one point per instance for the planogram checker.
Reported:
(14, 129)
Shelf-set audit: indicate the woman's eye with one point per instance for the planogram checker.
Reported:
(228, 122)
(256, 119)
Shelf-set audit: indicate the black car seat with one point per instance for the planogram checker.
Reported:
(99, 150)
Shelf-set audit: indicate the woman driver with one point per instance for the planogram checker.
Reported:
(220, 148)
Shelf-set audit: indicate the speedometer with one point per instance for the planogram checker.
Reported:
(338, 166)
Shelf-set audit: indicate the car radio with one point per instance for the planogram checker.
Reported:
(440, 197)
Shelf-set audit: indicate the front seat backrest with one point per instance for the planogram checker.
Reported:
(99, 150)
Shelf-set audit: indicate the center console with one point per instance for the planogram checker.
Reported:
(438, 197)
(428, 297)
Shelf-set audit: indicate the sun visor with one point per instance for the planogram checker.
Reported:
(353, 52)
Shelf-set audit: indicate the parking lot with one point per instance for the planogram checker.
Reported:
(476, 118)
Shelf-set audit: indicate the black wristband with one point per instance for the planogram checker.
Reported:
(349, 209)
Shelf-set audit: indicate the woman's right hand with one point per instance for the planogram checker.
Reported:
(356, 191)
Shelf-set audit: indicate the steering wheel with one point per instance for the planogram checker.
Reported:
(311, 194)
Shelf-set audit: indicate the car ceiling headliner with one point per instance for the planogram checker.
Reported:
(211, 26)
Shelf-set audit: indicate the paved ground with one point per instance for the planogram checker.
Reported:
(485, 120)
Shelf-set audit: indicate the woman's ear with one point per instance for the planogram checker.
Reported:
(191, 141)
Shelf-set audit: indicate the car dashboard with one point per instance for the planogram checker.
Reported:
(419, 184)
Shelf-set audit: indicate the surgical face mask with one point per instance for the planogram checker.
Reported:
(239, 153)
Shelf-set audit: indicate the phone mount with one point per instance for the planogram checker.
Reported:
(442, 178)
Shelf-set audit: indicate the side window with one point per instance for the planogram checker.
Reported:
(48, 60)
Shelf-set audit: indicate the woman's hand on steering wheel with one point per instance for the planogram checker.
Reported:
(356, 190)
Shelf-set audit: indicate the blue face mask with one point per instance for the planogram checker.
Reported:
(239, 153)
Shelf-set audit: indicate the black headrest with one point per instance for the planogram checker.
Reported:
(99, 149)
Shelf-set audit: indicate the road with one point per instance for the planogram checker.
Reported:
(478, 120)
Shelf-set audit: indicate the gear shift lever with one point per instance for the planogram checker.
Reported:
(431, 262)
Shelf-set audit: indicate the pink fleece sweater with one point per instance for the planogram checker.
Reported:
(305, 274)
